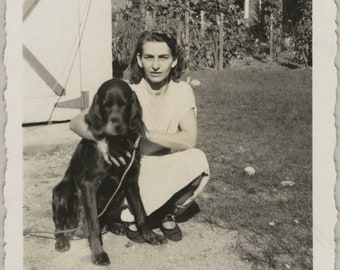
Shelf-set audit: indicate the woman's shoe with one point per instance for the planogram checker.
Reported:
(170, 228)
(132, 233)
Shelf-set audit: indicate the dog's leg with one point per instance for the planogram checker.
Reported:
(111, 219)
(135, 202)
(89, 195)
(61, 213)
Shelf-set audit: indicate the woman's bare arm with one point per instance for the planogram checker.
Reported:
(80, 127)
(156, 143)
(182, 140)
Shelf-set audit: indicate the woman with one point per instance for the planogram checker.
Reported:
(172, 172)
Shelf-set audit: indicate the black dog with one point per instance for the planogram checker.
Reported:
(80, 200)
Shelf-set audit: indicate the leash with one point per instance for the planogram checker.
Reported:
(135, 146)
(38, 234)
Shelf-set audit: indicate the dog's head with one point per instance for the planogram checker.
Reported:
(115, 111)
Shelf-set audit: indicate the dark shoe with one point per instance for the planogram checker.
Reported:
(133, 234)
(189, 213)
(174, 234)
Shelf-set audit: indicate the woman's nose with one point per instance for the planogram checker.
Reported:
(155, 64)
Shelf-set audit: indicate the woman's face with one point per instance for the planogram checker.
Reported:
(156, 61)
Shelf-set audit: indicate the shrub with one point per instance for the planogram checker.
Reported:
(260, 26)
(169, 16)
(126, 27)
(303, 34)
(234, 28)
(235, 37)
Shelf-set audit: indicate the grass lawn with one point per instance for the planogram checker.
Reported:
(260, 117)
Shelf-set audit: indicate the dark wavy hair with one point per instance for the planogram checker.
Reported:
(137, 73)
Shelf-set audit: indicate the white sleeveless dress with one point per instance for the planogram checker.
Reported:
(162, 176)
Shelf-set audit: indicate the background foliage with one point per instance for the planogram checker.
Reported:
(303, 33)
(242, 38)
(270, 12)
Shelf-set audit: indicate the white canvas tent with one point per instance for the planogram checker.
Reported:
(67, 55)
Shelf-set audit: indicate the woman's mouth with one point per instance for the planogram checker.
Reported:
(155, 74)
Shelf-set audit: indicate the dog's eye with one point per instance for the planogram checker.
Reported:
(108, 104)
(114, 102)
(121, 103)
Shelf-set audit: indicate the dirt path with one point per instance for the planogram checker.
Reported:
(203, 246)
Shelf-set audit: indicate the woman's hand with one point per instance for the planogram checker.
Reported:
(115, 158)
(79, 126)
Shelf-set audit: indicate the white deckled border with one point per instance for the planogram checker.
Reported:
(13, 139)
(324, 137)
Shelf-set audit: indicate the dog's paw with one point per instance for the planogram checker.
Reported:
(117, 228)
(101, 259)
(154, 239)
(62, 244)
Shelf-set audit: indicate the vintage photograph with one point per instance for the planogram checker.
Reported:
(163, 134)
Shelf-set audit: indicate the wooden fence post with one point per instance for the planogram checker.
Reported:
(187, 32)
(154, 16)
(148, 20)
(178, 30)
(246, 9)
(202, 24)
(271, 38)
(220, 66)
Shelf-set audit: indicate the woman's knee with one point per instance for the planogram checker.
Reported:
(195, 152)
(198, 156)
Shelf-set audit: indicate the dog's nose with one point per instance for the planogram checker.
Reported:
(119, 129)
(117, 126)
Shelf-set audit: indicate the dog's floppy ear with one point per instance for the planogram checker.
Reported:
(136, 124)
(94, 119)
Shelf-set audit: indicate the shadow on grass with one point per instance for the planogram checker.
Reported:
(289, 65)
